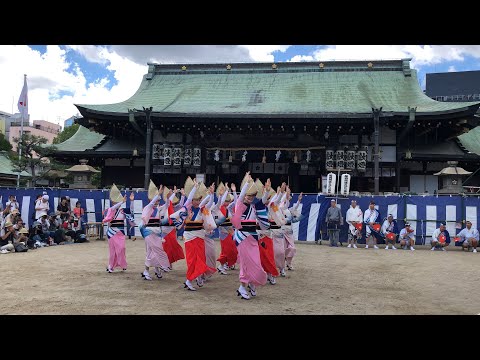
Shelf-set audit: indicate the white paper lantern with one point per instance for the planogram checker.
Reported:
(331, 182)
(345, 184)
(350, 163)
(177, 156)
(167, 155)
(197, 156)
(187, 157)
(329, 159)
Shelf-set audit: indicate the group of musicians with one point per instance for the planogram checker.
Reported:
(388, 231)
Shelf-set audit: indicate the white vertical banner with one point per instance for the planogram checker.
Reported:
(471, 215)
(431, 214)
(312, 221)
(345, 184)
(137, 209)
(331, 182)
(451, 217)
(295, 226)
(90, 209)
(392, 209)
(55, 203)
(26, 213)
(412, 216)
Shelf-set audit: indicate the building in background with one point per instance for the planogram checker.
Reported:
(6, 119)
(43, 128)
(291, 122)
(69, 122)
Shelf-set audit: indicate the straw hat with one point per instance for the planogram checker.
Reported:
(260, 188)
(7, 224)
(252, 189)
(23, 231)
(115, 194)
(271, 193)
(152, 190)
(221, 187)
(166, 190)
(201, 191)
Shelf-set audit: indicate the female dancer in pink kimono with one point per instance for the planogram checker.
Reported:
(115, 218)
(151, 232)
(245, 220)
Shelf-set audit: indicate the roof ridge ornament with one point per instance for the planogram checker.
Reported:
(184, 68)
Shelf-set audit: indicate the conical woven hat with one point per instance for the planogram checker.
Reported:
(115, 194)
(152, 190)
(260, 188)
(229, 197)
(201, 192)
(243, 181)
(271, 193)
(166, 190)
(189, 184)
(220, 187)
(252, 189)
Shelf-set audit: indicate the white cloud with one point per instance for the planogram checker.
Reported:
(264, 52)
(301, 58)
(451, 68)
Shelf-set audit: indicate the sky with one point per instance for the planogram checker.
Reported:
(60, 76)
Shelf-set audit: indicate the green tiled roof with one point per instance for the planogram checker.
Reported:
(82, 140)
(471, 140)
(6, 167)
(290, 89)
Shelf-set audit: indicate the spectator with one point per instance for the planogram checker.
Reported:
(47, 234)
(42, 207)
(7, 240)
(79, 214)
(73, 229)
(440, 238)
(37, 235)
(34, 213)
(18, 224)
(407, 237)
(63, 209)
(469, 237)
(22, 236)
(333, 219)
(12, 202)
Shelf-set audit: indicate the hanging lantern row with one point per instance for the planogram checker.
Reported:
(346, 159)
(278, 154)
(176, 154)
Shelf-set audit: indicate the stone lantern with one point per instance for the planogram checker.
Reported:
(82, 175)
(452, 178)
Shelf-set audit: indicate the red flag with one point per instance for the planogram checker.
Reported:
(170, 212)
(358, 226)
(23, 100)
(457, 238)
(390, 236)
(442, 238)
(376, 227)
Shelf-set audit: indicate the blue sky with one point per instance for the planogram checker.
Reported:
(62, 75)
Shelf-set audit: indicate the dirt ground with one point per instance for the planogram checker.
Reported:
(71, 279)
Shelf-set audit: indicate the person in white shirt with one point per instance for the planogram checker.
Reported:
(407, 237)
(371, 219)
(469, 236)
(353, 218)
(42, 207)
(389, 230)
(12, 202)
(440, 238)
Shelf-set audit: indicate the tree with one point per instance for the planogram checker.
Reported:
(4, 143)
(67, 133)
(33, 154)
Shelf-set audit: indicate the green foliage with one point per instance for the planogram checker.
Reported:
(66, 134)
(4, 143)
(96, 180)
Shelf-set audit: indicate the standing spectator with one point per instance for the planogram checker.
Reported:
(79, 214)
(469, 237)
(333, 219)
(42, 207)
(7, 240)
(354, 217)
(34, 213)
(440, 238)
(407, 237)
(63, 209)
(12, 202)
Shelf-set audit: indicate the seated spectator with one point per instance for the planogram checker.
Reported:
(22, 237)
(7, 240)
(37, 235)
(440, 238)
(18, 224)
(79, 213)
(390, 231)
(469, 237)
(407, 237)
(47, 234)
(73, 229)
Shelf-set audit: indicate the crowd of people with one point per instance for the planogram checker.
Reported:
(48, 228)
(255, 235)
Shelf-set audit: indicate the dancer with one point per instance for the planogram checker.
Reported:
(407, 237)
(150, 229)
(267, 255)
(209, 226)
(191, 217)
(169, 233)
(354, 220)
(115, 218)
(276, 220)
(469, 237)
(222, 213)
(390, 231)
(290, 218)
(440, 238)
(244, 220)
